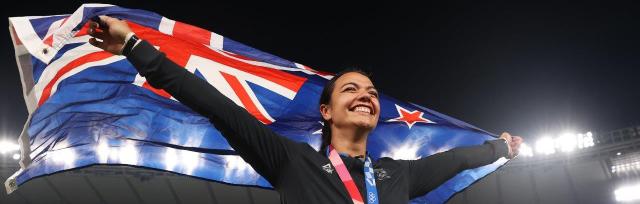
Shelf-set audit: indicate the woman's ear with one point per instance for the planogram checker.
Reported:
(324, 111)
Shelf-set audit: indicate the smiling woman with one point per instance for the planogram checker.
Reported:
(357, 95)
(342, 172)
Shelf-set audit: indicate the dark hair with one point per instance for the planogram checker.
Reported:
(325, 98)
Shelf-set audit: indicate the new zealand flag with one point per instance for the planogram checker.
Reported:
(87, 106)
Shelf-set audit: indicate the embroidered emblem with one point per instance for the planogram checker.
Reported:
(328, 168)
(381, 174)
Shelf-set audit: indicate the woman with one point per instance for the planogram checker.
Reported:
(341, 172)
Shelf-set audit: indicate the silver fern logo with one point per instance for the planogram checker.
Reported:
(328, 168)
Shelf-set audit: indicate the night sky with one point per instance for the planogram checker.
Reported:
(530, 69)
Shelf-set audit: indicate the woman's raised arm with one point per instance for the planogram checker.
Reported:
(427, 173)
(265, 150)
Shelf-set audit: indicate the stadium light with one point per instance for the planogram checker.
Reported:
(624, 167)
(545, 145)
(580, 140)
(628, 193)
(8, 147)
(567, 142)
(16, 156)
(525, 150)
(585, 140)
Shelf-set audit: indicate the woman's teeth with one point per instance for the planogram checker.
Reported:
(362, 109)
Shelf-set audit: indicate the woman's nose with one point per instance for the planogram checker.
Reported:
(364, 96)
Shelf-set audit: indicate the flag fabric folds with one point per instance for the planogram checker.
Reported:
(87, 106)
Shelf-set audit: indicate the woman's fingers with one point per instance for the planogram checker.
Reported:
(116, 28)
(93, 30)
(97, 34)
(108, 21)
(108, 33)
(515, 144)
(517, 140)
(95, 42)
(506, 136)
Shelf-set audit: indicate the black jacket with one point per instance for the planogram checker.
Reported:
(297, 171)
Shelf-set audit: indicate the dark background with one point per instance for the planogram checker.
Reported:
(526, 68)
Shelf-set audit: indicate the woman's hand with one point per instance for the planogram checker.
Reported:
(513, 142)
(109, 35)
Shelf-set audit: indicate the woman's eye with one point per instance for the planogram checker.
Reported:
(374, 94)
(350, 89)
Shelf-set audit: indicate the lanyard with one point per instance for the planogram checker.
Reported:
(343, 173)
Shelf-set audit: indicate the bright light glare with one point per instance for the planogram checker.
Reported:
(190, 160)
(6, 147)
(588, 140)
(407, 151)
(525, 150)
(66, 156)
(128, 153)
(585, 140)
(236, 163)
(236, 167)
(628, 193)
(103, 151)
(545, 146)
(187, 160)
(170, 159)
(625, 167)
(566, 142)
(16, 156)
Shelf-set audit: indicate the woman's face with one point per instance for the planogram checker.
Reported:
(354, 103)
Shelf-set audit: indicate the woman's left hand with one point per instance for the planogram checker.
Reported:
(513, 142)
(110, 36)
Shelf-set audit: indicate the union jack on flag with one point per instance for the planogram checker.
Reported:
(87, 106)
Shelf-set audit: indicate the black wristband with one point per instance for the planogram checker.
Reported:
(128, 46)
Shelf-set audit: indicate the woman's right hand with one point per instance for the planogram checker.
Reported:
(513, 143)
(110, 35)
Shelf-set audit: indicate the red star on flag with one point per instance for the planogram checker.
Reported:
(409, 117)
